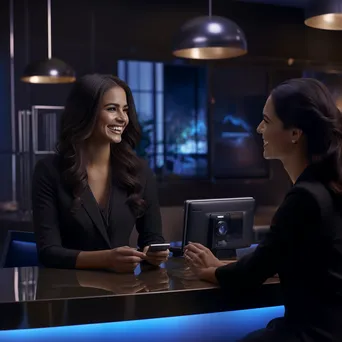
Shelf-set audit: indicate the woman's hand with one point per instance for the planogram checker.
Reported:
(155, 279)
(156, 258)
(112, 282)
(198, 256)
(202, 261)
(124, 259)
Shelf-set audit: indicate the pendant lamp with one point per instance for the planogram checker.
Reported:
(210, 37)
(324, 14)
(50, 70)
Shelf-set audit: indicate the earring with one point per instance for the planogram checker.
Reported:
(294, 142)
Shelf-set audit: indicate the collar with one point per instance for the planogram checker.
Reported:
(307, 175)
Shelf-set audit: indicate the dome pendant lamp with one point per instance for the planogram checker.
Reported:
(324, 14)
(50, 70)
(210, 37)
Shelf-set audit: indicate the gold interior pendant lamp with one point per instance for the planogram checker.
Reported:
(50, 70)
(324, 14)
(210, 37)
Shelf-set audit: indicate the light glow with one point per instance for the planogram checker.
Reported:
(222, 326)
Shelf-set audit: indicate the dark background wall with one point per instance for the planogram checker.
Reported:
(92, 35)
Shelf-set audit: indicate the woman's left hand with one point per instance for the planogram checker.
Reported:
(202, 261)
(156, 258)
(199, 256)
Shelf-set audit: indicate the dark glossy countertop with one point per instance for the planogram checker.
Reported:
(41, 297)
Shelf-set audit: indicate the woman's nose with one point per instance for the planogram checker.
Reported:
(121, 118)
(259, 128)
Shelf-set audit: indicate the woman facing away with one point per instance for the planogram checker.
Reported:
(302, 127)
(87, 198)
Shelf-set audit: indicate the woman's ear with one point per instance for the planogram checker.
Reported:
(296, 134)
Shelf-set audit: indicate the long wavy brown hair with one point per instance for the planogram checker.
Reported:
(77, 124)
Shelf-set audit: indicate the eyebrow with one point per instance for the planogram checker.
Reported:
(115, 104)
(266, 117)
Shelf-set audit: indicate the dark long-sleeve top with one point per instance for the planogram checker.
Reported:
(62, 233)
(306, 251)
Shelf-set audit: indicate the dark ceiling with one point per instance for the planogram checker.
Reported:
(292, 3)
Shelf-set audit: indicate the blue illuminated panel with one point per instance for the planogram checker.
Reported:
(223, 326)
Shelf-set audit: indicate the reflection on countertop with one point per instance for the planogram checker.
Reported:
(33, 283)
(34, 297)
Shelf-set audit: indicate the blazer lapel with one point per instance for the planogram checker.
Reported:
(89, 204)
(118, 207)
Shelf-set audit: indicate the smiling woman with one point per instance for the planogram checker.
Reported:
(302, 127)
(88, 197)
(113, 115)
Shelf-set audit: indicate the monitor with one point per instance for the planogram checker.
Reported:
(223, 225)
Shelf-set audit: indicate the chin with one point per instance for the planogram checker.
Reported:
(267, 156)
(116, 140)
(272, 157)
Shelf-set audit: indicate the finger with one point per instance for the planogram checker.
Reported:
(138, 283)
(193, 256)
(197, 253)
(156, 261)
(141, 288)
(131, 259)
(194, 249)
(156, 258)
(198, 245)
(160, 253)
(188, 260)
(132, 252)
(193, 264)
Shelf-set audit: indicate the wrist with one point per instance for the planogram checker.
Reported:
(108, 262)
(208, 274)
(218, 263)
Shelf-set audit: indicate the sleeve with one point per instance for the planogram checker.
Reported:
(288, 234)
(149, 226)
(46, 221)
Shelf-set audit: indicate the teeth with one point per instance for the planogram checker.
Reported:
(116, 128)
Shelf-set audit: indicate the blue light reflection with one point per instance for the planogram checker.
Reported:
(224, 326)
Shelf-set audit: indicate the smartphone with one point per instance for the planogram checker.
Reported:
(158, 247)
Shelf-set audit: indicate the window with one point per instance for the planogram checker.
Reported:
(238, 149)
(171, 107)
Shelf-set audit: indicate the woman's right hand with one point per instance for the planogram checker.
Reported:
(124, 259)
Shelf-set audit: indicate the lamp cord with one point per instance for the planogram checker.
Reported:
(49, 28)
(210, 8)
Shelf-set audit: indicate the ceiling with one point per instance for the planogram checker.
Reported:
(292, 3)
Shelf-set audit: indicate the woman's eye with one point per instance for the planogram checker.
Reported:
(111, 109)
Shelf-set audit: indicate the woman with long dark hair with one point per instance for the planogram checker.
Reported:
(87, 198)
(302, 127)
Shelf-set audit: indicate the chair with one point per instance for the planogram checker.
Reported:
(19, 250)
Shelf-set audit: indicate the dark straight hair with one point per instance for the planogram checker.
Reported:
(307, 104)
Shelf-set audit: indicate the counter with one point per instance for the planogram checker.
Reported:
(40, 297)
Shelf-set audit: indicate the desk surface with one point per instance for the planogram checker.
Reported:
(38, 297)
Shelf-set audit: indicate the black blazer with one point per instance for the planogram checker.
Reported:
(61, 234)
(306, 251)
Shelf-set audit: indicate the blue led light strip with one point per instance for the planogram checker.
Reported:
(223, 326)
